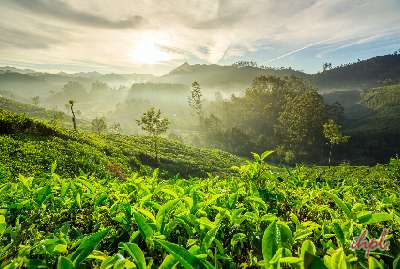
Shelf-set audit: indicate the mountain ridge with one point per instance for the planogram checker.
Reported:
(368, 73)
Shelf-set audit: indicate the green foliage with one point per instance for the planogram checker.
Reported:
(30, 147)
(285, 113)
(99, 125)
(194, 99)
(361, 74)
(379, 98)
(152, 122)
(54, 117)
(302, 217)
(332, 133)
(300, 123)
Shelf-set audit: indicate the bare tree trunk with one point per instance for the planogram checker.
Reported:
(73, 117)
(330, 154)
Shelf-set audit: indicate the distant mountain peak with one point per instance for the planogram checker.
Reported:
(15, 70)
(183, 68)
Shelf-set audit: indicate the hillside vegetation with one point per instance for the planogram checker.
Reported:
(373, 123)
(49, 115)
(363, 74)
(260, 217)
(31, 83)
(359, 75)
(226, 78)
(29, 147)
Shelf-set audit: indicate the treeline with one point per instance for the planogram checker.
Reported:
(285, 114)
(367, 73)
(242, 64)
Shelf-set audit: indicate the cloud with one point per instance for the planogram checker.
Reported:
(62, 10)
(24, 40)
(106, 32)
(298, 50)
(359, 41)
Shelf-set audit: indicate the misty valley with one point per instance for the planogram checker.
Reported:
(199, 134)
(245, 115)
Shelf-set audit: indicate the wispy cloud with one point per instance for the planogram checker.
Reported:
(299, 49)
(107, 32)
(62, 10)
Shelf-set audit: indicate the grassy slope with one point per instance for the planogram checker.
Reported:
(31, 110)
(41, 113)
(30, 146)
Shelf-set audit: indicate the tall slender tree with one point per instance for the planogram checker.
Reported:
(195, 101)
(71, 103)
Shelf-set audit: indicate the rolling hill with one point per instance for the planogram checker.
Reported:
(30, 83)
(362, 74)
(40, 113)
(371, 118)
(30, 147)
(224, 78)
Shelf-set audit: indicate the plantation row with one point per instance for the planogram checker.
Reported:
(260, 217)
(29, 147)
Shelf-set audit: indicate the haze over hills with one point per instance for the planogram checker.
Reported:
(199, 134)
(31, 83)
(226, 78)
(359, 75)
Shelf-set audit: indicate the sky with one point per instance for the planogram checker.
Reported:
(155, 36)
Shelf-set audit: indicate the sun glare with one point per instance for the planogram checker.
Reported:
(147, 50)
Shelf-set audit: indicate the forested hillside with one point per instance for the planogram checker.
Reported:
(362, 74)
(370, 117)
(358, 75)
(224, 78)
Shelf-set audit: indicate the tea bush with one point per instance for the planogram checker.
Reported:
(261, 217)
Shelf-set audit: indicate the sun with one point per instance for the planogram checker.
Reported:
(147, 50)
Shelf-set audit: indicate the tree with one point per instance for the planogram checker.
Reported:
(35, 100)
(333, 135)
(71, 103)
(99, 125)
(115, 128)
(56, 118)
(299, 126)
(74, 90)
(152, 123)
(335, 111)
(326, 66)
(195, 98)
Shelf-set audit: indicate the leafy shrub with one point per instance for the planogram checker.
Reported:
(264, 216)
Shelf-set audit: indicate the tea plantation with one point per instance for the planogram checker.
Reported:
(71, 200)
